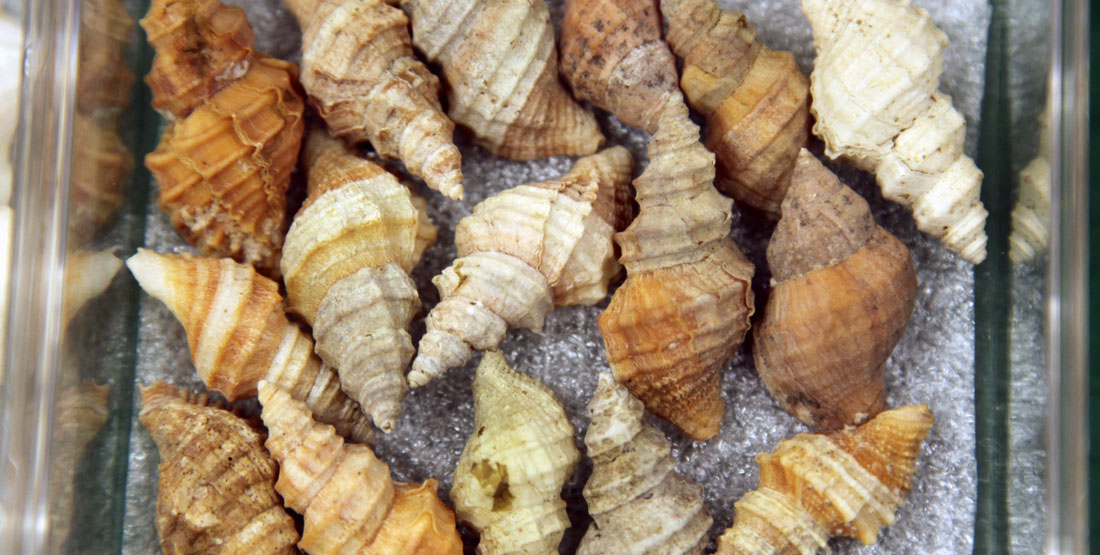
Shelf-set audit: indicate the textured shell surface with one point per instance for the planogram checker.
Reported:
(510, 475)
(101, 165)
(104, 80)
(217, 483)
(1031, 216)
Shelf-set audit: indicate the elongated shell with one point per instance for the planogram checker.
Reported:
(101, 166)
(755, 99)
(843, 290)
(349, 501)
(640, 504)
(612, 55)
(522, 252)
(883, 112)
(104, 82)
(81, 412)
(217, 483)
(814, 486)
(238, 334)
(685, 305)
(500, 69)
(509, 478)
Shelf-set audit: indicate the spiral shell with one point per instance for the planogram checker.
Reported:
(104, 82)
(101, 165)
(80, 413)
(1031, 216)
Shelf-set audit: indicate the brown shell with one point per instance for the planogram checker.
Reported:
(843, 293)
(217, 483)
(755, 99)
(104, 82)
(101, 166)
(80, 413)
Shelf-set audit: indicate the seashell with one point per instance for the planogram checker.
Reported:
(612, 55)
(1031, 216)
(685, 305)
(87, 276)
(510, 475)
(104, 82)
(238, 334)
(217, 484)
(638, 501)
(522, 252)
(363, 78)
(847, 483)
(346, 262)
(500, 71)
(80, 413)
(884, 114)
(843, 290)
(349, 501)
(100, 168)
(755, 99)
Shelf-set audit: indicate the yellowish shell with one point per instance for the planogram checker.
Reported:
(80, 413)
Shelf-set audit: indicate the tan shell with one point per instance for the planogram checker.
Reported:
(638, 501)
(238, 334)
(100, 168)
(500, 69)
(522, 252)
(349, 501)
(363, 78)
(685, 305)
(217, 483)
(509, 478)
(104, 82)
(755, 99)
(815, 486)
(87, 276)
(612, 55)
(1031, 216)
(843, 291)
(884, 113)
(80, 413)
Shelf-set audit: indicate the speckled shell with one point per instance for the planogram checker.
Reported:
(883, 112)
(80, 413)
(509, 478)
(522, 252)
(612, 55)
(815, 486)
(500, 71)
(104, 81)
(755, 99)
(1031, 216)
(843, 290)
(362, 76)
(685, 305)
(238, 334)
(216, 492)
(639, 503)
(100, 168)
(349, 501)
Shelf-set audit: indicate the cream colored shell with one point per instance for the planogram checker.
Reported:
(1031, 216)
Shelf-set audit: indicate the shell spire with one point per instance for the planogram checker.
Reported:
(685, 305)
(1031, 216)
(522, 252)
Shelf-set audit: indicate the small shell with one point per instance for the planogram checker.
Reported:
(843, 290)
(685, 305)
(509, 478)
(639, 503)
(815, 486)
(87, 276)
(100, 168)
(349, 501)
(522, 252)
(216, 492)
(80, 413)
(500, 68)
(238, 334)
(1031, 216)
(882, 112)
(104, 82)
(755, 99)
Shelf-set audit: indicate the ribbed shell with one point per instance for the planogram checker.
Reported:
(638, 501)
(238, 334)
(104, 81)
(815, 486)
(1031, 216)
(685, 305)
(349, 501)
(522, 252)
(500, 70)
(217, 483)
(876, 102)
(100, 168)
(80, 413)
(755, 99)
(509, 478)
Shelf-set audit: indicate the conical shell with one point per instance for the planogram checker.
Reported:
(217, 483)
(522, 252)
(638, 501)
(685, 305)
(87, 276)
(80, 413)
(1031, 216)
(815, 486)
(104, 82)
(882, 111)
(612, 55)
(238, 334)
(363, 78)
(100, 168)
(509, 478)
(349, 501)
(500, 69)
(842, 293)
(755, 99)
